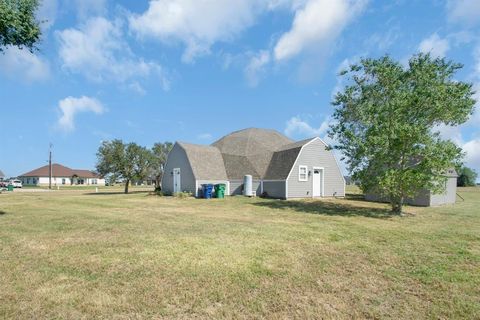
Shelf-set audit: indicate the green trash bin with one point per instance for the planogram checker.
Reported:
(220, 191)
(10, 187)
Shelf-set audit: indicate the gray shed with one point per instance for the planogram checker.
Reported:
(280, 167)
(426, 198)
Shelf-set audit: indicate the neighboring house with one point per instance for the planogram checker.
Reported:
(61, 176)
(280, 167)
(426, 198)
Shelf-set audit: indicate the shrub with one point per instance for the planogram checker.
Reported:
(183, 194)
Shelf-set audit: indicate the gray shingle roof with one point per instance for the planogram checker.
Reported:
(262, 153)
(284, 159)
(206, 161)
(249, 151)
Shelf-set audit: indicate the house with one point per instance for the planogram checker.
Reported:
(426, 198)
(280, 167)
(61, 176)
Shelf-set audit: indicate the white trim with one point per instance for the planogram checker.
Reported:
(286, 189)
(322, 191)
(196, 188)
(300, 167)
(261, 187)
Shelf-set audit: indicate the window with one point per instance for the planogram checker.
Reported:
(94, 181)
(63, 181)
(302, 173)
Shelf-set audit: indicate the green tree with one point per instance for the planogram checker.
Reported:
(160, 153)
(129, 162)
(385, 120)
(466, 177)
(18, 25)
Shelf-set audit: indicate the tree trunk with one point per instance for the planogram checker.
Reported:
(397, 205)
(127, 182)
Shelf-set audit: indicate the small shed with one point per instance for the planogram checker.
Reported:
(426, 198)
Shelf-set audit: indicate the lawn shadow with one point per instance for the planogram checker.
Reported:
(355, 196)
(327, 208)
(2, 213)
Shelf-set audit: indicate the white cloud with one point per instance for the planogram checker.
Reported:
(450, 133)
(70, 107)
(86, 8)
(472, 157)
(476, 56)
(296, 127)
(315, 25)
(198, 24)
(22, 63)
(344, 65)
(383, 41)
(47, 13)
(137, 87)
(464, 11)
(434, 45)
(97, 51)
(255, 69)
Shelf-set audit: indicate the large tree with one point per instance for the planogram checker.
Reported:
(18, 25)
(467, 177)
(160, 152)
(125, 161)
(385, 121)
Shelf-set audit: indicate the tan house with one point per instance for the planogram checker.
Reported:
(61, 176)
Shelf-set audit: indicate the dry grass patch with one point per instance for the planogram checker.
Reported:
(68, 254)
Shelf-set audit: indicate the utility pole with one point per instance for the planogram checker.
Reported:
(50, 167)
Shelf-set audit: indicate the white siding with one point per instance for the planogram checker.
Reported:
(177, 158)
(425, 198)
(314, 154)
(57, 181)
(447, 197)
(236, 187)
(274, 189)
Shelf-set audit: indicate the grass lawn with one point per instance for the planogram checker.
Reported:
(71, 254)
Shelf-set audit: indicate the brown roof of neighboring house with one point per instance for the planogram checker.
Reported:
(59, 170)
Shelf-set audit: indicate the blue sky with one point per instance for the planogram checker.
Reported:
(195, 70)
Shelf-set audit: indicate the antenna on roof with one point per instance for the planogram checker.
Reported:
(50, 166)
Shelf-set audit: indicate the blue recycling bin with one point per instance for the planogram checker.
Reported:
(207, 191)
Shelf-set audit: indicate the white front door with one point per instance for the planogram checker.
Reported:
(317, 188)
(177, 186)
